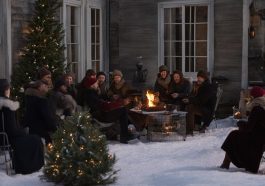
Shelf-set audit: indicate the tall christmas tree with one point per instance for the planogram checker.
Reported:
(44, 46)
(79, 154)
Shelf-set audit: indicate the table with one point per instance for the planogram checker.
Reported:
(160, 125)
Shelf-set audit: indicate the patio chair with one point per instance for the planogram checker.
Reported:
(6, 152)
(219, 93)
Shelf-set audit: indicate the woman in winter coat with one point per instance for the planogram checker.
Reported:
(244, 147)
(162, 83)
(28, 155)
(39, 117)
(179, 88)
(106, 111)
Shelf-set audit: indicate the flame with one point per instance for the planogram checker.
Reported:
(151, 99)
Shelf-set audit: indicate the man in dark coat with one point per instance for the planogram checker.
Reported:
(28, 155)
(201, 103)
(107, 111)
(179, 88)
(38, 116)
(244, 147)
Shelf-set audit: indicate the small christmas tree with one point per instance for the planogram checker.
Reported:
(44, 46)
(79, 154)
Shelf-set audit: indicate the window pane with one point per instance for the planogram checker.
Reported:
(176, 63)
(189, 14)
(93, 17)
(189, 49)
(201, 48)
(73, 15)
(93, 35)
(167, 32)
(75, 53)
(74, 34)
(166, 49)
(189, 32)
(201, 64)
(97, 17)
(93, 51)
(201, 14)
(176, 32)
(201, 31)
(97, 34)
(98, 52)
(167, 15)
(189, 64)
(176, 49)
(167, 61)
(176, 15)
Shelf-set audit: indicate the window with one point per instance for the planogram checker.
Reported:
(73, 38)
(85, 35)
(95, 39)
(184, 36)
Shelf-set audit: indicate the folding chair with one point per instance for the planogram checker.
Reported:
(219, 93)
(6, 151)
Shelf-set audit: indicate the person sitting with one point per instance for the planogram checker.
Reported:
(81, 88)
(28, 155)
(244, 147)
(69, 82)
(38, 116)
(179, 88)
(106, 111)
(119, 89)
(162, 83)
(62, 103)
(45, 75)
(201, 103)
(101, 78)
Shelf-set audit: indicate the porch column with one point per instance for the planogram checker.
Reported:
(5, 39)
(244, 74)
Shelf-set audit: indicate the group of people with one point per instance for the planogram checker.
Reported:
(46, 101)
(198, 98)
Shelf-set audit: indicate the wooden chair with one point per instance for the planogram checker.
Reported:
(6, 152)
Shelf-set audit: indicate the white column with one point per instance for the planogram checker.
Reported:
(245, 23)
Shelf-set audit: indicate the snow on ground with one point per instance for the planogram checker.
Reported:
(193, 162)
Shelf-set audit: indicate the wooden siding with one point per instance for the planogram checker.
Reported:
(228, 46)
(21, 13)
(136, 23)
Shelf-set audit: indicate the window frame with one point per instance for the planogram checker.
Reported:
(210, 31)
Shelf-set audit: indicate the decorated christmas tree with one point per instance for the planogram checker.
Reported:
(79, 154)
(44, 46)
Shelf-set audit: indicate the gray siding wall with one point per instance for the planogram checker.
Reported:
(21, 13)
(134, 27)
(135, 21)
(228, 46)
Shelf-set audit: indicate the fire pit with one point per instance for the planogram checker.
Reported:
(153, 103)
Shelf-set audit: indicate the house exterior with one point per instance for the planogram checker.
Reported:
(107, 34)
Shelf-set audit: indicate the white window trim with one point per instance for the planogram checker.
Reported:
(210, 43)
(78, 4)
(104, 63)
(84, 56)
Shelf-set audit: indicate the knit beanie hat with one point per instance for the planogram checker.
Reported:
(43, 72)
(202, 74)
(89, 82)
(117, 73)
(60, 82)
(101, 74)
(257, 92)
(163, 68)
(4, 85)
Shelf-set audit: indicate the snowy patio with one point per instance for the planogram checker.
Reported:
(191, 162)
